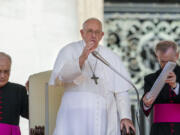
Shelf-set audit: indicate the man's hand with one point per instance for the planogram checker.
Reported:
(90, 47)
(171, 79)
(127, 123)
(148, 102)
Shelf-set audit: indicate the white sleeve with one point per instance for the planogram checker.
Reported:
(123, 105)
(70, 71)
(120, 84)
(145, 107)
(66, 67)
(176, 90)
(121, 90)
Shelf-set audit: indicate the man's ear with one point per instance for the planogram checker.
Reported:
(177, 55)
(156, 54)
(102, 35)
(82, 33)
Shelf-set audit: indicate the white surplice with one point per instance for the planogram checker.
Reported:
(88, 108)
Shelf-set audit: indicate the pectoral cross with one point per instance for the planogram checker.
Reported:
(95, 78)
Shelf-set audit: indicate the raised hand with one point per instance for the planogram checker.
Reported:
(90, 47)
(171, 79)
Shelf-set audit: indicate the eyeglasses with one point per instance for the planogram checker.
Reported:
(90, 31)
(4, 72)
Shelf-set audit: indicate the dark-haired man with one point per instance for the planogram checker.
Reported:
(166, 107)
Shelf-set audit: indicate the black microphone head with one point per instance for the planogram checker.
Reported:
(95, 53)
(98, 56)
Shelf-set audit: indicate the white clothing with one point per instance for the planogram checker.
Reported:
(87, 108)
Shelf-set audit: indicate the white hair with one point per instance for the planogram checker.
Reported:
(92, 18)
(2, 54)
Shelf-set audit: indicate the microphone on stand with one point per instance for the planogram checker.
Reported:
(98, 56)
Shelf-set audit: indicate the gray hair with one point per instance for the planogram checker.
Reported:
(2, 54)
(92, 18)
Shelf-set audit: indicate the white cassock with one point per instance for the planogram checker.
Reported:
(88, 108)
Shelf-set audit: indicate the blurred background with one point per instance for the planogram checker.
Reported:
(33, 32)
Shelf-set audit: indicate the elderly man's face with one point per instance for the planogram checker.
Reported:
(164, 57)
(5, 66)
(92, 32)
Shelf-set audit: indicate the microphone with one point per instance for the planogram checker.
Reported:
(98, 56)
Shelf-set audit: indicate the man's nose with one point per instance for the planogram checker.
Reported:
(94, 33)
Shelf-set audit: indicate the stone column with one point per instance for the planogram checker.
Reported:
(90, 8)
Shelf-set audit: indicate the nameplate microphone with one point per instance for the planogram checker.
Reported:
(98, 56)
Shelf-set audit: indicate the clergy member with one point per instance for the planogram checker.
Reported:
(13, 100)
(166, 107)
(96, 100)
